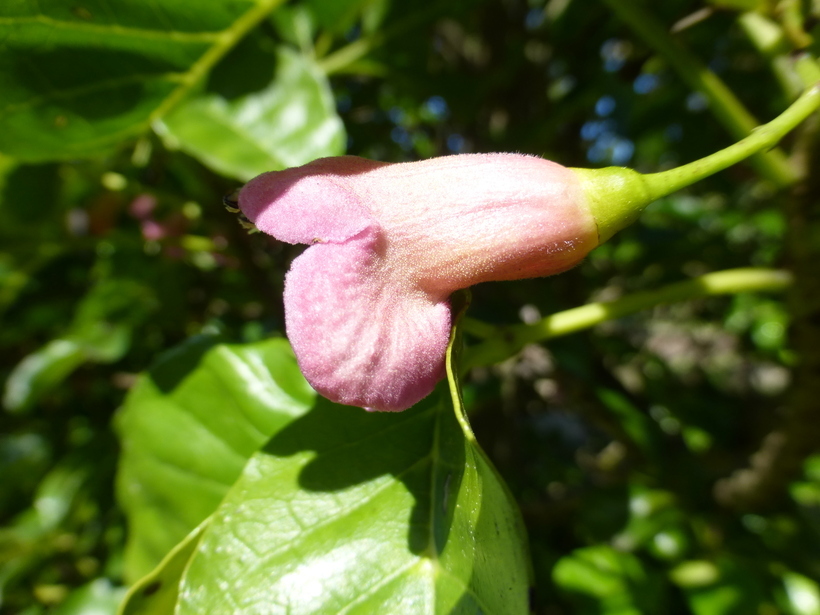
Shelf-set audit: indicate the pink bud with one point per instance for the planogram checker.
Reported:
(366, 305)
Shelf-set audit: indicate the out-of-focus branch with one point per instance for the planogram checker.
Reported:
(343, 59)
(502, 342)
(779, 460)
(726, 107)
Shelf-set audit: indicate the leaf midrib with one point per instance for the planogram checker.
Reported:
(225, 41)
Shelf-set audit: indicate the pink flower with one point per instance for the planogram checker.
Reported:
(366, 304)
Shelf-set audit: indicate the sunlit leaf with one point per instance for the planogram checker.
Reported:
(802, 593)
(289, 123)
(187, 429)
(336, 14)
(348, 511)
(77, 79)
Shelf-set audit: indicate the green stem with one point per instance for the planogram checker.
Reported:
(722, 102)
(617, 195)
(507, 341)
(225, 41)
(763, 137)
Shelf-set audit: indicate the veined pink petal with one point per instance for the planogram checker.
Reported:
(314, 202)
(367, 307)
(390, 354)
(459, 220)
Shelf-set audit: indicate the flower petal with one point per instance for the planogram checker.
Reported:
(363, 338)
(456, 221)
(310, 204)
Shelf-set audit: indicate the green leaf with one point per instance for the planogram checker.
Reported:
(40, 372)
(348, 511)
(802, 594)
(724, 587)
(100, 332)
(187, 429)
(96, 598)
(600, 579)
(739, 5)
(337, 15)
(157, 592)
(78, 79)
(289, 123)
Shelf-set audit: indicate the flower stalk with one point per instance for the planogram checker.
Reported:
(506, 341)
(723, 104)
(617, 195)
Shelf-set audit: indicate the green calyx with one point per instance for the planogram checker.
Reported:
(616, 195)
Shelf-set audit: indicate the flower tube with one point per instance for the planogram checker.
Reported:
(366, 304)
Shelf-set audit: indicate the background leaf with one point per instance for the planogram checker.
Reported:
(97, 598)
(100, 332)
(77, 80)
(336, 14)
(289, 123)
(189, 426)
(603, 580)
(157, 592)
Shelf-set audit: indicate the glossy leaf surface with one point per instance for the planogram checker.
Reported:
(289, 123)
(78, 79)
(345, 511)
(189, 426)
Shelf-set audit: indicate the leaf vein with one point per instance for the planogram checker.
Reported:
(341, 514)
(370, 591)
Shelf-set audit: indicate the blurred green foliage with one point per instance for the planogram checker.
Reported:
(123, 124)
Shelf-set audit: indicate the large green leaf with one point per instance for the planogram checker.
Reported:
(345, 511)
(188, 428)
(287, 124)
(76, 79)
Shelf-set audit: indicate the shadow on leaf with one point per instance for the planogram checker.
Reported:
(423, 447)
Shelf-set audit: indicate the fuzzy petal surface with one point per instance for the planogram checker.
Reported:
(314, 203)
(366, 305)
(362, 337)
